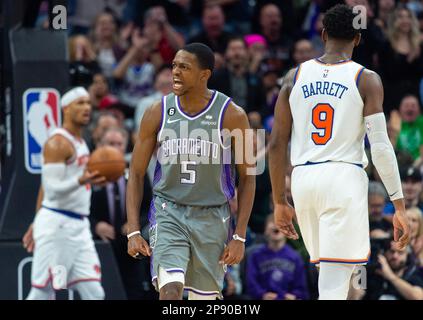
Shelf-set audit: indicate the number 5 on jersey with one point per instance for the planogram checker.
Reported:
(322, 119)
(190, 179)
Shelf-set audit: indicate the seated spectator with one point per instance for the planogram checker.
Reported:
(274, 270)
(407, 135)
(396, 277)
(213, 34)
(411, 180)
(134, 72)
(415, 217)
(400, 58)
(82, 60)
(377, 202)
(236, 81)
(108, 220)
(106, 43)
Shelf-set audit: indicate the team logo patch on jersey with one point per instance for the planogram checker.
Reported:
(97, 269)
(171, 111)
(41, 115)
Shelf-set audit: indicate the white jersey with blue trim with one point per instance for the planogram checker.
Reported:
(79, 199)
(327, 114)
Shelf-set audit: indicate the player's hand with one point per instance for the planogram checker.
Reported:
(28, 239)
(92, 178)
(233, 253)
(284, 214)
(401, 230)
(105, 231)
(137, 245)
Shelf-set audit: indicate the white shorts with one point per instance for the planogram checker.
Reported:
(330, 201)
(64, 251)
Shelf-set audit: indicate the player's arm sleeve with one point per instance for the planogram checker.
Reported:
(383, 155)
(53, 179)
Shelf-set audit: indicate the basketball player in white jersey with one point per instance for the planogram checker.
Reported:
(64, 252)
(325, 108)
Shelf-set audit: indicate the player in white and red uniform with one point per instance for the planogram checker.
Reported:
(325, 107)
(64, 252)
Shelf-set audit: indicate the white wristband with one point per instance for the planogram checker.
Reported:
(133, 234)
(237, 237)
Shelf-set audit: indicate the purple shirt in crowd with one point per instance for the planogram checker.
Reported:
(280, 272)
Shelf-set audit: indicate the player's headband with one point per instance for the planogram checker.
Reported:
(72, 95)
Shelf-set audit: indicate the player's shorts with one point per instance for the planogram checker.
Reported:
(189, 240)
(64, 251)
(330, 201)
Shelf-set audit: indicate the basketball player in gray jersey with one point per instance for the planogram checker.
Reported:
(194, 180)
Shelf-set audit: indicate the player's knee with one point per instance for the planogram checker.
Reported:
(90, 290)
(172, 291)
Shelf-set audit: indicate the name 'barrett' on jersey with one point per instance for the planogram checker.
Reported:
(327, 114)
(193, 163)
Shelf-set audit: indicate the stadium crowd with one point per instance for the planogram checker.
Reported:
(121, 51)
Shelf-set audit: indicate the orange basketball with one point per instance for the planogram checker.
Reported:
(108, 161)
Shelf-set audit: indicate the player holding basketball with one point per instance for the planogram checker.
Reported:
(64, 252)
(325, 107)
(190, 215)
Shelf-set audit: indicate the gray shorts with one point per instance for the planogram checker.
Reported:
(189, 239)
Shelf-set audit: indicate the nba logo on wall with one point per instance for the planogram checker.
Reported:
(41, 115)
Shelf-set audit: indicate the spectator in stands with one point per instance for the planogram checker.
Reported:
(411, 179)
(396, 278)
(98, 89)
(82, 60)
(134, 73)
(105, 120)
(400, 58)
(303, 51)
(105, 39)
(274, 270)
(384, 9)
(82, 13)
(408, 135)
(235, 80)
(164, 39)
(277, 56)
(257, 47)
(108, 220)
(162, 85)
(377, 202)
(415, 217)
(213, 34)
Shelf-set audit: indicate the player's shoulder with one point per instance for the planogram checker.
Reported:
(234, 112)
(59, 145)
(152, 117)
(369, 82)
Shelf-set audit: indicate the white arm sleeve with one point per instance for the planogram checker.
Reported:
(383, 155)
(53, 179)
